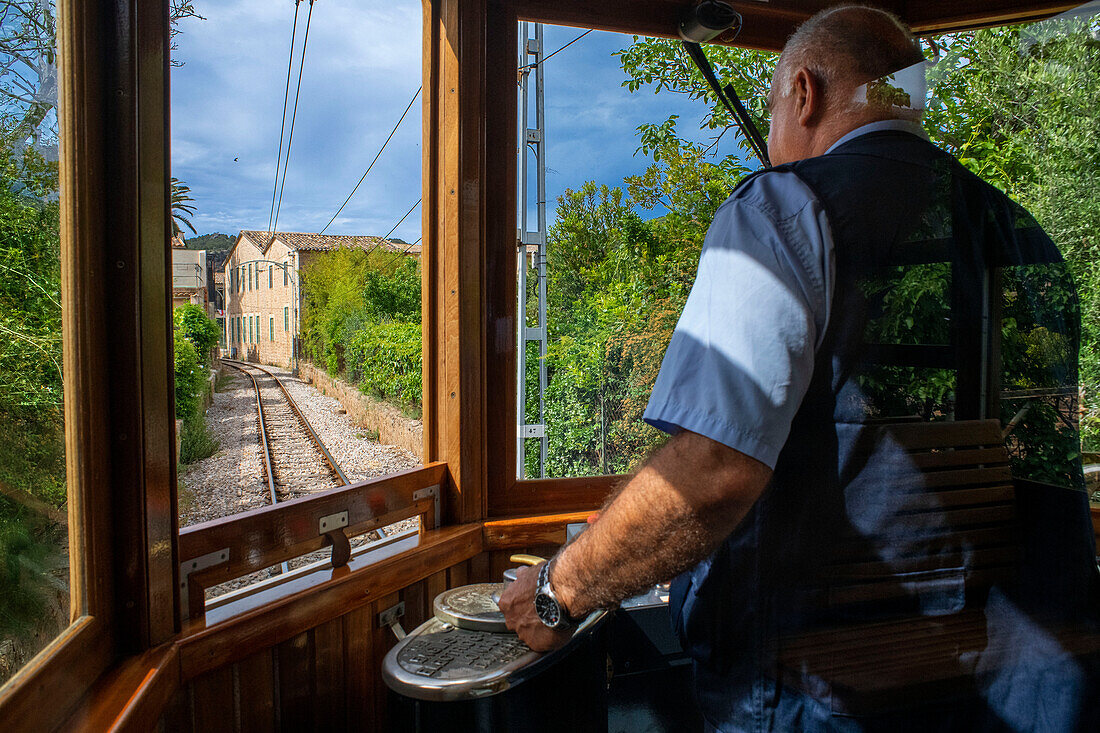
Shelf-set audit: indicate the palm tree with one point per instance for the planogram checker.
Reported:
(181, 209)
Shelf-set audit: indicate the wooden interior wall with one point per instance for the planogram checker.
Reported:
(325, 678)
(328, 677)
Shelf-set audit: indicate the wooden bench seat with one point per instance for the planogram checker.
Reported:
(962, 513)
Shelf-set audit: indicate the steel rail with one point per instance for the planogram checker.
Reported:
(263, 432)
(298, 413)
(265, 446)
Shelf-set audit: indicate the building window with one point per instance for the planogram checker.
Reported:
(286, 317)
(286, 274)
(271, 328)
(250, 276)
(251, 329)
(270, 276)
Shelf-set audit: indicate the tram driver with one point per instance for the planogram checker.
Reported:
(761, 390)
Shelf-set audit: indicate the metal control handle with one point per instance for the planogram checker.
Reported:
(522, 559)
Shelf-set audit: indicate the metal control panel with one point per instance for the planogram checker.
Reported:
(439, 661)
(453, 653)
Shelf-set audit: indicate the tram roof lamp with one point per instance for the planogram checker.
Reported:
(708, 20)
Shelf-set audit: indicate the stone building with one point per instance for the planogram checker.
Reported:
(263, 292)
(189, 276)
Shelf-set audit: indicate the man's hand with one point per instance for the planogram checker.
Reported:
(674, 512)
(518, 604)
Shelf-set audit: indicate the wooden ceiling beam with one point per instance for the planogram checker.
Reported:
(767, 25)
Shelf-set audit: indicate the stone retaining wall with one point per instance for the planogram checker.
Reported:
(392, 425)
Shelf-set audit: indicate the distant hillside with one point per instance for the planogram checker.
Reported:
(211, 242)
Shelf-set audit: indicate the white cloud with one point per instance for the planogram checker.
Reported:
(362, 65)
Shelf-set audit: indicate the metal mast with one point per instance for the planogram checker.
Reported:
(532, 143)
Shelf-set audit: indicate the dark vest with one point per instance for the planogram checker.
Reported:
(917, 240)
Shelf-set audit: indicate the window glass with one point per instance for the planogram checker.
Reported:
(35, 551)
(1019, 107)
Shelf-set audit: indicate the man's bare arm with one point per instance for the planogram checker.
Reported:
(673, 513)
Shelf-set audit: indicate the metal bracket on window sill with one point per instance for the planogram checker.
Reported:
(332, 527)
(433, 492)
(390, 617)
(194, 565)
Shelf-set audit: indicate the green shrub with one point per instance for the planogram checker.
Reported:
(192, 388)
(361, 317)
(198, 328)
(384, 360)
(189, 376)
(30, 552)
(196, 442)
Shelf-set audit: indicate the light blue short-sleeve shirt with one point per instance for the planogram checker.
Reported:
(742, 355)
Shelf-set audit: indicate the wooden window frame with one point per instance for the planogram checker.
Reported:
(480, 158)
(117, 342)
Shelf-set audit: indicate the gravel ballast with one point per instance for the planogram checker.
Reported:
(232, 480)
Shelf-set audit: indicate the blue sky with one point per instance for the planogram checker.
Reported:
(362, 67)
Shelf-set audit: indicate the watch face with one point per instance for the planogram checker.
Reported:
(548, 610)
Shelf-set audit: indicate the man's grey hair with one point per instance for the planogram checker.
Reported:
(846, 46)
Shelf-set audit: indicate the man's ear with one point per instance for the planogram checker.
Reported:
(809, 97)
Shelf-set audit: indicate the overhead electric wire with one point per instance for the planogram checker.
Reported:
(383, 240)
(376, 156)
(412, 245)
(293, 116)
(551, 55)
(282, 125)
(406, 216)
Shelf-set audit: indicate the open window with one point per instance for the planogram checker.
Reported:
(297, 218)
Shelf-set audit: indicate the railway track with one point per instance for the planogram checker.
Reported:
(296, 462)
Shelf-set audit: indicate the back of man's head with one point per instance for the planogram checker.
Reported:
(844, 47)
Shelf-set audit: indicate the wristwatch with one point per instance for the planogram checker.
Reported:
(549, 609)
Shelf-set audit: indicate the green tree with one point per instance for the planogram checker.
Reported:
(183, 207)
(1019, 106)
(216, 242)
(361, 318)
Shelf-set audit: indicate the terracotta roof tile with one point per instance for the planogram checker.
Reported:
(327, 242)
